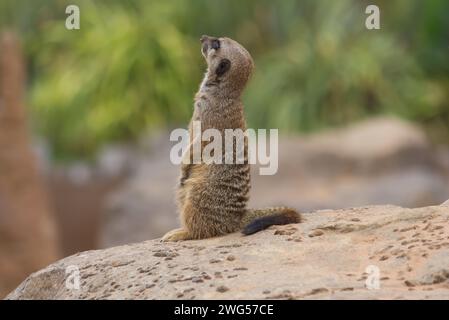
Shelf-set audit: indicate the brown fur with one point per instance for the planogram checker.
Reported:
(212, 198)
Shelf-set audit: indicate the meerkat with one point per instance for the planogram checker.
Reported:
(212, 198)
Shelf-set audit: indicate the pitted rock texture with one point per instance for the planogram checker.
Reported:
(331, 255)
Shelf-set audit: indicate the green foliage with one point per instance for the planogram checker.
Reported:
(124, 71)
(135, 65)
(335, 71)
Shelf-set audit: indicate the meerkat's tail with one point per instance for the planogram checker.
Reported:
(258, 219)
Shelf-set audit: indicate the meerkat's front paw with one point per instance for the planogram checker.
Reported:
(176, 235)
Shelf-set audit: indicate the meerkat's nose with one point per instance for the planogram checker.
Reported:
(204, 44)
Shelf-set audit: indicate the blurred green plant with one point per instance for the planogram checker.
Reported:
(135, 65)
(335, 71)
(122, 72)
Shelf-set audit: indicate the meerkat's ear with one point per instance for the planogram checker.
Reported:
(223, 67)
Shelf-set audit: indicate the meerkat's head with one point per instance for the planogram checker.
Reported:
(229, 64)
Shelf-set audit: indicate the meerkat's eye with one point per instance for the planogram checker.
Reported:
(223, 67)
(215, 44)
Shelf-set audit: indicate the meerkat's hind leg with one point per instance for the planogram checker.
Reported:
(176, 235)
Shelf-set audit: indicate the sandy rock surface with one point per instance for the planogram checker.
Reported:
(334, 254)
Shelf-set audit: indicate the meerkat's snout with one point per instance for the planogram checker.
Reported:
(209, 43)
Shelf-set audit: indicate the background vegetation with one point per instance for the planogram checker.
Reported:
(135, 65)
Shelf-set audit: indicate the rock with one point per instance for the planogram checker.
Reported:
(143, 207)
(376, 161)
(402, 252)
(78, 207)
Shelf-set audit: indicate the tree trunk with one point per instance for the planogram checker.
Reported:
(28, 239)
